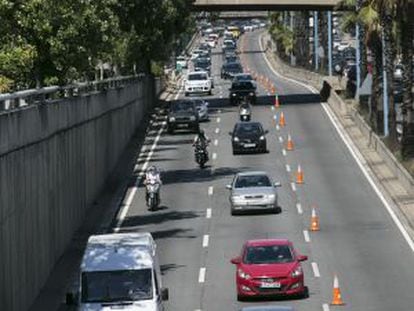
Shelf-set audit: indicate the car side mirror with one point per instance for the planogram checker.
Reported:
(230, 133)
(165, 295)
(71, 299)
(277, 184)
(229, 187)
(302, 258)
(266, 132)
(236, 261)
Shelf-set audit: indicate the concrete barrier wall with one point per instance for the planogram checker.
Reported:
(54, 160)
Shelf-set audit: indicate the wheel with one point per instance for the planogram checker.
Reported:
(241, 298)
(277, 210)
(210, 92)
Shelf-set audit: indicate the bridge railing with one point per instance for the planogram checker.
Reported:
(21, 99)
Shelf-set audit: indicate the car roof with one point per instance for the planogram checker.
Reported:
(267, 242)
(252, 173)
(196, 72)
(119, 251)
(239, 124)
(268, 308)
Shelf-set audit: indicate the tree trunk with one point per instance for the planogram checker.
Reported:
(323, 36)
(301, 46)
(376, 94)
(362, 47)
(407, 36)
(390, 52)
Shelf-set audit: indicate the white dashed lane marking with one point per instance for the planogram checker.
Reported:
(306, 236)
(205, 240)
(292, 184)
(288, 168)
(315, 269)
(214, 157)
(215, 142)
(217, 130)
(299, 208)
(208, 213)
(202, 275)
(210, 190)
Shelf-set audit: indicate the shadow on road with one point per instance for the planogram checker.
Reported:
(141, 220)
(173, 233)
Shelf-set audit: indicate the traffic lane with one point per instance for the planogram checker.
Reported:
(358, 234)
(229, 232)
(353, 218)
(178, 225)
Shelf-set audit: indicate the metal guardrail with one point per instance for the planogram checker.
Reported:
(12, 101)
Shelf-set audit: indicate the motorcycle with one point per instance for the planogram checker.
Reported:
(153, 194)
(201, 155)
(245, 112)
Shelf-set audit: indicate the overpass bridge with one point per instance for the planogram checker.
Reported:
(264, 5)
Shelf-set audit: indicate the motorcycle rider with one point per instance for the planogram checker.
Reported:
(201, 139)
(152, 175)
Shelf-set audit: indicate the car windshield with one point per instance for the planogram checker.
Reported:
(242, 85)
(182, 107)
(233, 67)
(112, 286)
(244, 78)
(248, 129)
(252, 181)
(202, 62)
(198, 76)
(272, 254)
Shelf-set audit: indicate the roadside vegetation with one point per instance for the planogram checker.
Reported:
(47, 42)
(386, 28)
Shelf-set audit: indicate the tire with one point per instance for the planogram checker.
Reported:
(210, 92)
(241, 298)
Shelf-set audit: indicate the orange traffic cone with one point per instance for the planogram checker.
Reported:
(282, 121)
(289, 144)
(336, 294)
(314, 226)
(299, 175)
(277, 103)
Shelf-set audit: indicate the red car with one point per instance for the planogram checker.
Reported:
(269, 267)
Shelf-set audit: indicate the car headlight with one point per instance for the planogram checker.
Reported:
(262, 137)
(236, 139)
(271, 196)
(236, 197)
(297, 272)
(244, 111)
(243, 274)
(192, 118)
(233, 94)
(251, 94)
(172, 119)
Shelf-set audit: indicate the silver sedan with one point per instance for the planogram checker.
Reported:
(253, 191)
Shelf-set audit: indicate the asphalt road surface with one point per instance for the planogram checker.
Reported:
(197, 236)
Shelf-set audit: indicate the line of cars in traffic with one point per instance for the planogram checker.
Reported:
(122, 270)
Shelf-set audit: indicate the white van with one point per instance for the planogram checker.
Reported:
(120, 271)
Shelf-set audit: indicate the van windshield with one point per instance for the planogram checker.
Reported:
(116, 286)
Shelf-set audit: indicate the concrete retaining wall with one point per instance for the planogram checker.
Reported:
(54, 160)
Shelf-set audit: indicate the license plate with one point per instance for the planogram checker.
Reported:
(249, 145)
(270, 285)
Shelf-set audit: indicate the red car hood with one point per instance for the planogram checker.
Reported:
(269, 270)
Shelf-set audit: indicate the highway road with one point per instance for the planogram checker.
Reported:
(197, 236)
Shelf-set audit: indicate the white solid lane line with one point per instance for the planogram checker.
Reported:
(210, 190)
(202, 275)
(205, 240)
(315, 269)
(306, 236)
(288, 168)
(354, 152)
(133, 190)
(299, 208)
(325, 307)
(208, 213)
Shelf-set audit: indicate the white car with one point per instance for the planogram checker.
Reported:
(196, 53)
(181, 61)
(211, 42)
(197, 83)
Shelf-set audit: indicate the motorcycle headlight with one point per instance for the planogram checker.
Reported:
(243, 274)
(244, 111)
(297, 272)
(251, 94)
(172, 119)
(262, 137)
(236, 139)
(233, 94)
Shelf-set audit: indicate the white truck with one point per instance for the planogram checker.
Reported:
(119, 271)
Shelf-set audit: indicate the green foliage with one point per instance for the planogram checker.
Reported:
(49, 41)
